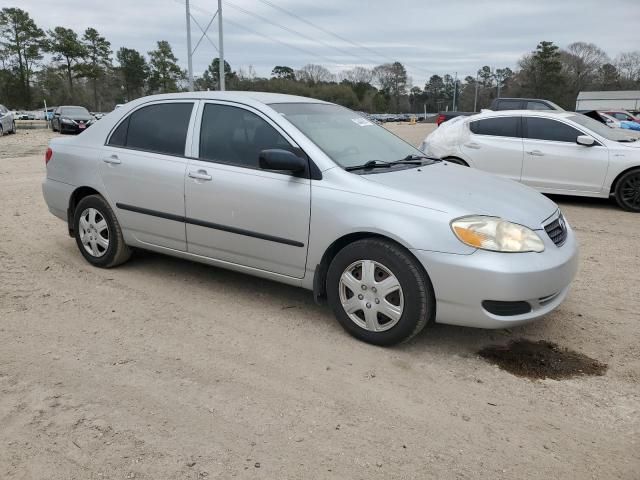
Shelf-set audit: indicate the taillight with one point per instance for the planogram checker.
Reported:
(48, 155)
(440, 119)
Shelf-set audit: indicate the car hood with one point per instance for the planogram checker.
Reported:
(466, 191)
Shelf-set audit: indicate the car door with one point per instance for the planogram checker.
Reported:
(235, 211)
(553, 161)
(143, 167)
(495, 145)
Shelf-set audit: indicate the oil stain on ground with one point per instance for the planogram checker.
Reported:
(541, 359)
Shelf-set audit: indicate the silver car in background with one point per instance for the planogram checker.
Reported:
(7, 121)
(311, 194)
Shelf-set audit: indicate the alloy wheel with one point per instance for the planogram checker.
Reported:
(630, 192)
(371, 295)
(94, 232)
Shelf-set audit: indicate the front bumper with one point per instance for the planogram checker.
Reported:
(73, 128)
(462, 282)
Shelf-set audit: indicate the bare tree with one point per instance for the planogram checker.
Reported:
(357, 75)
(580, 64)
(628, 65)
(312, 73)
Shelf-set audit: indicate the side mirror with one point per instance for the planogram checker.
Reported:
(585, 141)
(276, 159)
(56, 114)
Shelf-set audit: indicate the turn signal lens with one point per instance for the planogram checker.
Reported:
(496, 234)
(47, 156)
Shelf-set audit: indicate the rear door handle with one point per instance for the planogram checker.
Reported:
(536, 153)
(112, 159)
(473, 145)
(200, 175)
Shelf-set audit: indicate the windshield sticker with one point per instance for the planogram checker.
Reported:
(363, 122)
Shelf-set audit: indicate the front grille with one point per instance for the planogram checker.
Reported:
(557, 230)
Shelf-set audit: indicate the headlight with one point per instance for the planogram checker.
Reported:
(496, 234)
(66, 120)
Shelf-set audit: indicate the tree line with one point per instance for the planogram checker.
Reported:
(81, 68)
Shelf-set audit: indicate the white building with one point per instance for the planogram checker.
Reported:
(609, 100)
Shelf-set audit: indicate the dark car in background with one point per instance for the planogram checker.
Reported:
(71, 119)
(505, 104)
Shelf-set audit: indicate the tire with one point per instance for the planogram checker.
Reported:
(1, 130)
(457, 161)
(13, 128)
(53, 126)
(628, 191)
(414, 299)
(97, 253)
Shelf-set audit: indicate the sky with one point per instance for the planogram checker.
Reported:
(428, 36)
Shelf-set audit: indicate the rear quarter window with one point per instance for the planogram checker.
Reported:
(160, 128)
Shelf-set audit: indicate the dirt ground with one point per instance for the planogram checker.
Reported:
(166, 369)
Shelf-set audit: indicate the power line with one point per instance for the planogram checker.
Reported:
(339, 37)
(250, 30)
(295, 32)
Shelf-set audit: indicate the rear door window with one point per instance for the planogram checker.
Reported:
(497, 127)
(509, 105)
(551, 130)
(537, 106)
(160, 128)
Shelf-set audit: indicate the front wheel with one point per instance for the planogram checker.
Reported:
(379, 293)
(98, 234)
(13, 127)
(628, 191)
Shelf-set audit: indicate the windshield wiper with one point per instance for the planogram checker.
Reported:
(413, 159)
(628, 140)
(369, 164)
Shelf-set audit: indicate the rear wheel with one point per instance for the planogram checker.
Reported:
(628, 191)
(13, 127)
(379, 293)
(98, 234)
(1, 130)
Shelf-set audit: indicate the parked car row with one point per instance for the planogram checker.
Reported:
(553, 152)
(393, 240)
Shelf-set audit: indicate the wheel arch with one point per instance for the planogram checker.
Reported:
(77, 195)
(320, 274)
(614, 184)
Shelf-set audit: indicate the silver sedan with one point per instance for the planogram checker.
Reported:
(312, 194)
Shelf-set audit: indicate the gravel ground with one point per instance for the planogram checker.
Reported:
(166, 369)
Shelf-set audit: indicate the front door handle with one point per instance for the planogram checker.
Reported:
(200, 175)
(473, 145)
(536, 153)
(112, 159)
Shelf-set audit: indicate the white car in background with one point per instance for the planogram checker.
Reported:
(554, 152)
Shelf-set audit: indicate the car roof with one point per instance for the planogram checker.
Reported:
(529, 113)
(238, 96)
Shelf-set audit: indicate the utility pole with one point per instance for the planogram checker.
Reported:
(455, 91)
(221, 47)
(189, 52)
(475, 98)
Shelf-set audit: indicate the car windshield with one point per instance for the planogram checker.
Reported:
(346, 137)
(600, 128)
(74, 111)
